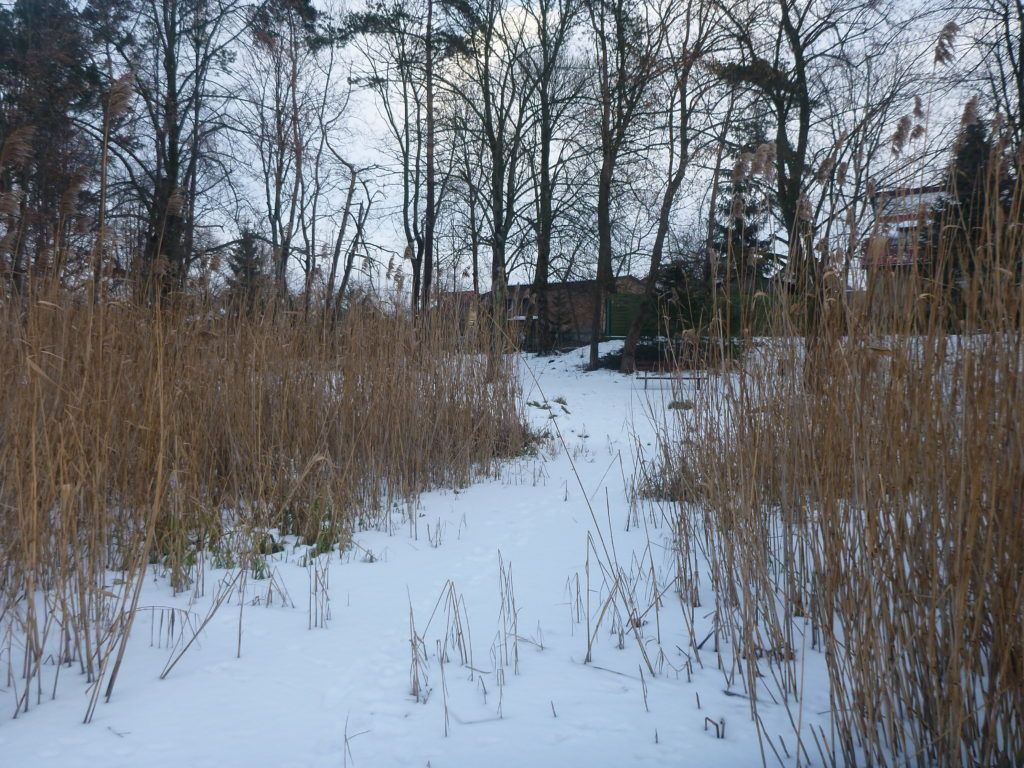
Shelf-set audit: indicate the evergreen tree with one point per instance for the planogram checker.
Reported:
(247, 266)
(977, 186)
(47, 84)
(739, 234)
(683, 297)
(746, 203)
(746, 259)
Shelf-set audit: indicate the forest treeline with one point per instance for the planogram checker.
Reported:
(305, 152)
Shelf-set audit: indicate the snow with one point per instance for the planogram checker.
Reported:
(340, 695)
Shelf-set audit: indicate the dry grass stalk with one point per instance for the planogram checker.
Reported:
(135, 438)
(872, 511)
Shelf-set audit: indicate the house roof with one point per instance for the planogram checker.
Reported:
(905, 203)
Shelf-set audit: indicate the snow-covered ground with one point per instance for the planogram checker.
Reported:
(510, 557)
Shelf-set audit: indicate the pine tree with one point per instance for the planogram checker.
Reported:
(682, 294)
(248, 276)
(739, 234)
(977, 186)
(746, 203)
(47, 85)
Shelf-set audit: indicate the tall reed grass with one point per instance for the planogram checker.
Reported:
(861, 494)
(135, 437)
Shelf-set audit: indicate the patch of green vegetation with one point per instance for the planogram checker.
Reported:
(681, 405)
(324, 543)
(221, 557)
(259, 567)
(268, 545)
(533, 441)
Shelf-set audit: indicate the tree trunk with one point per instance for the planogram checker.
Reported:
(544, 227)
(603, 284)
(430, 214)
(351, 257)
(336, 255)
(647, 302)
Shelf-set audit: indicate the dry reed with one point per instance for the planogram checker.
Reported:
(135, 439)
(861, 494)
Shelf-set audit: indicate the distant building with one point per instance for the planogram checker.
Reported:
(570, 310)
(900, 216)
(894, 256)
(464, 304)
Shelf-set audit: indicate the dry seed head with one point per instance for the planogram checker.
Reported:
(764, 160)
(120, 96)
(9, 203)
(944, 45)
(741, 170)
(738, 204)
(757, 164)
(825, 170)
(901, 135)
(176, 202)
(17, 149)
(918, 108)
(805, 210)
(841, 172)
(69, 200)
(970, 116)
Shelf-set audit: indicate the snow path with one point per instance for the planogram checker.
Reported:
(295, 693)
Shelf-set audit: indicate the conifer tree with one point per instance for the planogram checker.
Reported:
(976, 187)
(47, 84)
(247, 266)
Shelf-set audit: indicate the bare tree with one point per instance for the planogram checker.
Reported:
(557, 87)
(629, 38)
(791, 53)
(177, 54)
(691, 82)
(498, 94)
(277, 103)
(995, 31)
(389, 38)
